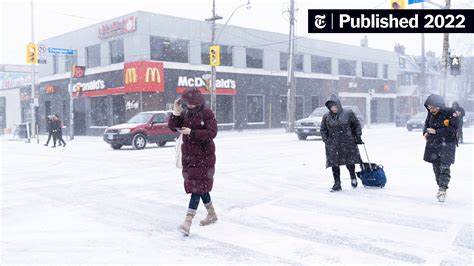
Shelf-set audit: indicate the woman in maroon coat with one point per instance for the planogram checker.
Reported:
(198, 125)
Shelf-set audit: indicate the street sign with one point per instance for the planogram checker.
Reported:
(63, 51)
(42, 49)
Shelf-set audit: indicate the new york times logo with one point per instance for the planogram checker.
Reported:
(320, 21)
(391, 21)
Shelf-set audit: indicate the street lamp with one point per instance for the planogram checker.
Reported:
(213, 41)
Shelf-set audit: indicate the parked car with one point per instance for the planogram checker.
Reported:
(468, 119)
(311, 126)
(417, 121)
(143, 128)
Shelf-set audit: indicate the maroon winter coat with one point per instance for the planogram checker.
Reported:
(198, 149)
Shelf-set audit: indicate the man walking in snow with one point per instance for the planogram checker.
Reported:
(440, 132)
(461, 113)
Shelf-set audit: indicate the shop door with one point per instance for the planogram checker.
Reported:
(225, 110)
(3, 114)
(373, 111)
(118, 109)
(79, 117)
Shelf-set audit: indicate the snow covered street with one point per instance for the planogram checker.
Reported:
(89, 204)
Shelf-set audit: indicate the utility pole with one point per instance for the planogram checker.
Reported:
(423, 65)
(291, 100)
(213, 68)
(33, 78)
(444, 74)
(71, 99)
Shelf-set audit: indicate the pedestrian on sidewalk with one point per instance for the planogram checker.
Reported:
(341, 132)
(198, 125)
(461, 113)
(49, 128)
(57, 126)
(440, 132)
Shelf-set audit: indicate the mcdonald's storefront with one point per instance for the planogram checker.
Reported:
(106, 98)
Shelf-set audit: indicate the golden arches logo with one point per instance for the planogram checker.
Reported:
(154, 74)
(131, 75)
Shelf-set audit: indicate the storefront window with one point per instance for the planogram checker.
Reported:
(299, 108)
(254, 58)
(225, 112)
(93, 56)
(320, 64)
(255, 109)
(347, 67)
(171, 50)
(369, 69)
(225, 56)
(118, 105)
(116, 51)
(99, 111)
(284, 61)
(385, 71)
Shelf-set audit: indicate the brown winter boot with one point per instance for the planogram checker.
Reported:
(186, 225)
(211, 215)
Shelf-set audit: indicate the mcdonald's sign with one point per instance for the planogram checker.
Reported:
(143, 76)
(154, 74)
(131, 75)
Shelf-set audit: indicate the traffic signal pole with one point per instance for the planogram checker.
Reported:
(71, 100)
(290, 99)
(33, 78)
(444, 59)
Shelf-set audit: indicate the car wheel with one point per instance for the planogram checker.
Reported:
(302, 137)
(139, 142)
(116, 146)
(161, 143)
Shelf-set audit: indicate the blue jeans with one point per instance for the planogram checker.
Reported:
(195, 198)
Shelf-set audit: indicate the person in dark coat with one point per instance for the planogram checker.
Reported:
(57, 131)
(198, 125)
(461, 113)
(49, 128)
(341, 132)
(440, 132)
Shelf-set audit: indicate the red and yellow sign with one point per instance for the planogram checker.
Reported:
(143, 76)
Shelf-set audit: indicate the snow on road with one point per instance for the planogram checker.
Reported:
(87, 203)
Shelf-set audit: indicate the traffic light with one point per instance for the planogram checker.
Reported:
(31, 53)
(215, 55)
(78, 71)
(455, 65)
(397, 4)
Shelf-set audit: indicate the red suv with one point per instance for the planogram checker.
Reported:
(143, 128)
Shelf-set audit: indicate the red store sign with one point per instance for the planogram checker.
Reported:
(118, 27)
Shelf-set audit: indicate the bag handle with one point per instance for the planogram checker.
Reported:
(368, 160)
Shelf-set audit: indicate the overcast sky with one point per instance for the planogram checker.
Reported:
(54, 17)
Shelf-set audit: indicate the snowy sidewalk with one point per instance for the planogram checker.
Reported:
(87, 203)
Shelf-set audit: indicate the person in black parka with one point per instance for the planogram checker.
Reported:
(440, 132)
(341, 132)
(49, 128)
(461, 113)
(57, 130)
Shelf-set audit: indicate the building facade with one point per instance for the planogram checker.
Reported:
(143, 61)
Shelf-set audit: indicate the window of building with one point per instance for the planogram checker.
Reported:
(255, 109)
(224, 112)
(171, 50)
(369, 69)
(347, 67)
(402, 62)
(93, 56)
(299, 108)
(70, 61)
(116, 51)
(254, 58)
(99, 111)
(314, 102)
(385, 71)
(55, 64)
(320, 64)
(225, 56)
(284, 61)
